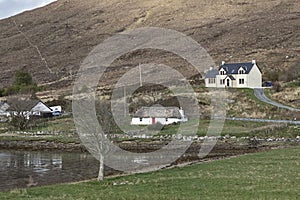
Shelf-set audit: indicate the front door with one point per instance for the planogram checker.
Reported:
(153, 120)
(228, 82)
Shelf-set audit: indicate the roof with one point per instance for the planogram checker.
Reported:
(233, 68)
(231, 77)
(158, 112)
(3, 106)
(24, 104)
(211, 73)
(21, 105)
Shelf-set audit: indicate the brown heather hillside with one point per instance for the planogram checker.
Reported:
(67, 30)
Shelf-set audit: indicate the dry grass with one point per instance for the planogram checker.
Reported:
(66, 31)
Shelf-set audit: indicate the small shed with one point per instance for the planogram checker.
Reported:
(153, 115)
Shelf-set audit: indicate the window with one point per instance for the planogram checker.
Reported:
(141, 119)
(241, 71)
(241, 81)
(222, 81)
(166, 119)
(222, 72)
(211, 80)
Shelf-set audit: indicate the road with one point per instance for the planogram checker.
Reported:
(259, 93)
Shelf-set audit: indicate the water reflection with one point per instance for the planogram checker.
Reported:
(18, 169)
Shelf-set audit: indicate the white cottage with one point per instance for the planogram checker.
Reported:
(153, 115)
(28, 107)
(3, 107)
(236, 75)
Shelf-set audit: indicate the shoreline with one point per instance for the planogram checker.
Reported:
(137, 146)
(41, 145)
(222, 150)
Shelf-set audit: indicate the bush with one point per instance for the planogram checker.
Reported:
(2, 92)
(23, 78)
(23, 84)
(291, 74)
(21, 123)
(272, 75)
(277, 87)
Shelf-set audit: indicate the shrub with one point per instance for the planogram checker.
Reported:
(292, 73)
(272, 75)
(23, 78)
(277, 87)
(23, 84)
(2, 92)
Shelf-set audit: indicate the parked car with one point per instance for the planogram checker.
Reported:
(56, 113)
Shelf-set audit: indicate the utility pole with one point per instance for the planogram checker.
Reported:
(125, 102)
(140, 70)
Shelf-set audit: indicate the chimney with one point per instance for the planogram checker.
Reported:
(223, 63)
(211, 68)
(181, 111)
(253, 61)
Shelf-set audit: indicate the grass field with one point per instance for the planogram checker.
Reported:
(63, 130)
(268, 175)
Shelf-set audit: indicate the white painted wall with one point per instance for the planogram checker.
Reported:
(218, 78)
(252, 80)
(40, 107)
(241, 76)
(144, 121)
(56, 109)
(255, 78)
(148, 121)
(207, 84)
(165, 121)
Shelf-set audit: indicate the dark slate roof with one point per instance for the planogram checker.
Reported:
(159, 112)
(16, 104)
(231, 77)
(3, 106)
(233, 68)
(211, 73)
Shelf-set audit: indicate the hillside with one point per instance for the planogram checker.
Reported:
(65, 31)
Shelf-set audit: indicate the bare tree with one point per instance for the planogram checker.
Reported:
(19, 109)
(96, 140)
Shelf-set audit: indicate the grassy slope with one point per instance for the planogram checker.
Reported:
(268, 175)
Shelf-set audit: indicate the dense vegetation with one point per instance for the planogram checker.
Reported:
(23, 84)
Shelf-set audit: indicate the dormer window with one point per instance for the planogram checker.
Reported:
(222, 72)
(241, 71)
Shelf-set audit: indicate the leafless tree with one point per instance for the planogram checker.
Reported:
(95, 130)
(19, 109)
(106, 121)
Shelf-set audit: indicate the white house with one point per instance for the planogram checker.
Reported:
(3, 107)
(236, 75)
(153, 115)
(56, 109)
(28, 107)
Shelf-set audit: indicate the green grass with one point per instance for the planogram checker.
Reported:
(293, 84)
(60, 129)
(232, 128)
(59, 124)
(267, 175)
(241, 129)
